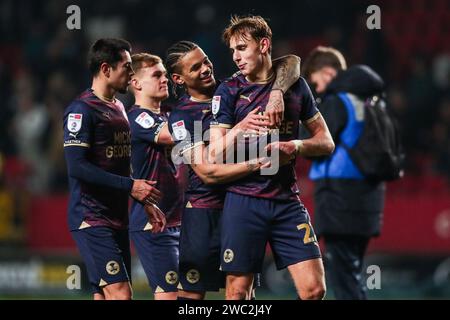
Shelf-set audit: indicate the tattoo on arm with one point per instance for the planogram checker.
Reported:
(281, 74)
(276, 104)
(287, 71)
(251, 166)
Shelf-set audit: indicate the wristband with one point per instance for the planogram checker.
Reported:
(298, 145)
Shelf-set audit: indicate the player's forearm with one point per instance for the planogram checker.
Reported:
(319, 145)
(164, 137)
(224, 173)
(287, 71)
(80, 168)
(220, 145)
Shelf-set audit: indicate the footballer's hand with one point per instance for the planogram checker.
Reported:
(254, 122)
(144, 191)
(275, 109)
(285, 150)
(156, 218)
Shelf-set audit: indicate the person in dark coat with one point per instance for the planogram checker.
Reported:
(348, 207)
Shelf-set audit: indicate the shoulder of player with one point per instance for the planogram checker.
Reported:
(140, 117)
(300, 87)
(233, 81)
(300, 84)
(177, 115)
(182, 104)
(78, 106)
(136, 111)
(120, 104)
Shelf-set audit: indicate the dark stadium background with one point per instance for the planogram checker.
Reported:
(42, 67)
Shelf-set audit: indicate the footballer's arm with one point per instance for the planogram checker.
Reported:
(211, 173)
(79, 167)
(320, 144)
(223, 139)
(287, 71)
(164, 137)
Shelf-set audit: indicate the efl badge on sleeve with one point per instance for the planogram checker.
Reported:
(145, 120)
(74, 122)
(215, 106)
(179, 130)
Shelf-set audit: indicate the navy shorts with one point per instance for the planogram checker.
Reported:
(200, 251)
(249, 223)
(106, 254)
(158, 253)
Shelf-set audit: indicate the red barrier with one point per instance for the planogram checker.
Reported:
(47, 226)
(413, 222)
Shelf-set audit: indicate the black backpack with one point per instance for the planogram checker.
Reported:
(378, 153)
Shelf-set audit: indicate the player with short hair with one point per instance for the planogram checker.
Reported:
(151, 144)
(97, 151)
(261, 209)
(190, 68)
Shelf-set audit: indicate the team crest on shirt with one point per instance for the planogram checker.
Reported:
(112, 267)
(74, 122)
(145, 120)
(215, 105)
(171, 277)
(228, 256)
(179, 130)
(193, 276)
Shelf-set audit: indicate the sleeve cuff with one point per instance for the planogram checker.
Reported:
(158, 131)
(127, 183)
(313, 118)
(221, 125)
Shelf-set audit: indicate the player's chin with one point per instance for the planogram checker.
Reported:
(210, 83)
(244, 72)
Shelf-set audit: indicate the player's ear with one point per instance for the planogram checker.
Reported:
(135, 84)
(177, 79)
(264, 44)
(105, 69)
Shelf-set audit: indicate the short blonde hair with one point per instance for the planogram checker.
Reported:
(255, 26)
(142, 60)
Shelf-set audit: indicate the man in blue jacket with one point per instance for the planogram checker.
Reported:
(348, 207)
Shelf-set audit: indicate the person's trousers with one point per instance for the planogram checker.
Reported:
(343, 260)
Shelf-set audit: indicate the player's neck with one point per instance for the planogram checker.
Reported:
(149, 104)
(200, 96)
(263, 74)
(103, 91)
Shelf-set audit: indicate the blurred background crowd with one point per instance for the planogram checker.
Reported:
(43, 67)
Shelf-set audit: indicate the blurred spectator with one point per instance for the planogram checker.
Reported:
(29, 124)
